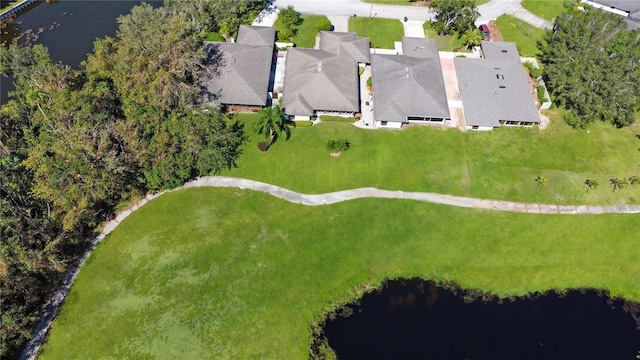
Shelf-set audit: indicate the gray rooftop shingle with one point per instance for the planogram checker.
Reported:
(325, 79)
(245, 68)
(409, 85)
(493, 90)
(500, 51)
(318, 80)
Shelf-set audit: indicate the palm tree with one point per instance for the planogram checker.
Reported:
(541, 180)
(591, 184)
(272, 124)
(471, 38)
(615, 182)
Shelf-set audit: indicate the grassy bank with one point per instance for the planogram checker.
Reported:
(381, 32)
(227, 273)
(444, 42)
(524, 35)
(499, 165)
(547, 9)
(306, 33)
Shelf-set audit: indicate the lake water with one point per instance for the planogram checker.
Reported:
(416, 319)
(67, 27)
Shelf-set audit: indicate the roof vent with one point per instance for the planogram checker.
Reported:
(504, 51)
(502, 87)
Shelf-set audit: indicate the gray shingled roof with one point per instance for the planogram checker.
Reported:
(256, 35)
(325, 79)
(494, 90)
(319, 80)
(341, 43)
(246, 67)
(409, 85)
(630, 6)
(419, 47)
(500, 51)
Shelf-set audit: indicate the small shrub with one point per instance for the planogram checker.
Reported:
(327, 118)
(534, 72)
(303, 123)
(338, 145)
(369, 82)
(263, 146)
(324, 25)
(214, 36)
(541, 96)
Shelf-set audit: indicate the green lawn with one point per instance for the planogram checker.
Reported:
(444, 42)
(229, 273)
(306, 36)
(524, 35)
(547, 9)
(381, 32)
(499, 165)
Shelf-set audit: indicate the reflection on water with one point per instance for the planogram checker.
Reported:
(416, 319)
(67, 27)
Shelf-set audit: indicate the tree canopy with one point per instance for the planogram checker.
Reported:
(592, 66)
(454, 15)
(76, 144)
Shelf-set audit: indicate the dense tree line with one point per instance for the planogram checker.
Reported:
(592, 66)
(454, 16)
(75, 144)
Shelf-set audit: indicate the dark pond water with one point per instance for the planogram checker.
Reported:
(67, 27)
(416, 319)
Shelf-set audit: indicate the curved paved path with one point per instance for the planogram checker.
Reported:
(57, 299)
(369, 192)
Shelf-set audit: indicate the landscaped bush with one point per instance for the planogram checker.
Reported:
(534, 72)
(324, 24)
(263, 146)
(338, 145)
(303, 123)
(541, 96)
(327, 118)
(214, 36)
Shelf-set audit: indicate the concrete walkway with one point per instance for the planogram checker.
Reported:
(369, 192)
(53, 307)
(531, 18)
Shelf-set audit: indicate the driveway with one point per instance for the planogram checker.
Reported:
(413, 28)
(340, 23)
(357, 7)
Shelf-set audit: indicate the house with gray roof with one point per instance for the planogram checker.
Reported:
(243, 75)
(409, 88)
(629, 9)
(325, 80)
(495, 90)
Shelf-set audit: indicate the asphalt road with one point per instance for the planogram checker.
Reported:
(359, 8)
(488, 11)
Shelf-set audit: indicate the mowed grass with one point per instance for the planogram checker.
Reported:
(547, 9)
(381, 32)
(443, 42)
(307, 31)
(234, 274)
(524, 35)
(501, 164)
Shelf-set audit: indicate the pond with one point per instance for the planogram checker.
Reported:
(417, 319)
(67, 27)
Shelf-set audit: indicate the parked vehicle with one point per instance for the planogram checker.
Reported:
(484, 29)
